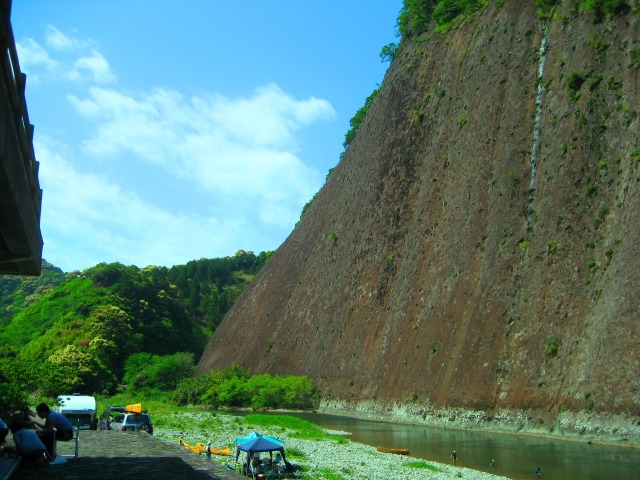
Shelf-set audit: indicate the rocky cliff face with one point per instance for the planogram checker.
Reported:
(477, 245)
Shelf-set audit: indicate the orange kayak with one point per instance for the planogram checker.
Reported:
(397, 451)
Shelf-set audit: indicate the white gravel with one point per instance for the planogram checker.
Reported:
(348, 460)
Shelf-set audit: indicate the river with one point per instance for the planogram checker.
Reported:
(516, 456)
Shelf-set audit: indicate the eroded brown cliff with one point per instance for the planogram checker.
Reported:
(450, 259)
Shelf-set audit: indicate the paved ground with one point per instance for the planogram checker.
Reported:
(109, 454)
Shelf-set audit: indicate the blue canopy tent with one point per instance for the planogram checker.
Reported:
(258, 445)
(254, 435)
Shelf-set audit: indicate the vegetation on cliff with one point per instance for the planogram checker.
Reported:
(417, 16)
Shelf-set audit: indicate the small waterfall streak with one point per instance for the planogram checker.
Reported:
(536, 126)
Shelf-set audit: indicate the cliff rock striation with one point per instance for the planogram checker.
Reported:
(476, 248)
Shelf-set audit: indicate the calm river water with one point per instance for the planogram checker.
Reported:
(516, 456)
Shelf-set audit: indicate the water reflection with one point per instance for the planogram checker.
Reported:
(516, 456)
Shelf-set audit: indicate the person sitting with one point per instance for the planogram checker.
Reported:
(27, 443)
(54, 420)
(56, 427)
(256, 462)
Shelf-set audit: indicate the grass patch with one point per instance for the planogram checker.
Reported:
(300, 428)
(293, 452)
(421, 464)
(328, 474)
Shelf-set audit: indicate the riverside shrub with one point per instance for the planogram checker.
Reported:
(234, 387)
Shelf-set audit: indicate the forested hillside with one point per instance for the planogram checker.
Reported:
(17, 291)
(74, 331)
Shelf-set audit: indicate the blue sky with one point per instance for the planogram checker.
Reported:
(171, 131)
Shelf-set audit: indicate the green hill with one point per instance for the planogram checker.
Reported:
(75, 330)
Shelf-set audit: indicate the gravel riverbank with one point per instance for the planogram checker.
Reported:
(319, 459)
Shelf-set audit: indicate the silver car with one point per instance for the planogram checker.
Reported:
(132, 422)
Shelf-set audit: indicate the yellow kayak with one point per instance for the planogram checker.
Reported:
(200, 448)
(135, 408)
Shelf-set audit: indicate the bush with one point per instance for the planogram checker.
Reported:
(235, 388)
(551, 349)
(606, 7)
(448, 10)
(415, 16)
(388, 52)
(144, 371)
(358, 119)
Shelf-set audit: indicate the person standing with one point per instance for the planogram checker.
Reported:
(454, 455)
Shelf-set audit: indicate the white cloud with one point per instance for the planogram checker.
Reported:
(163, 178)
(96, 66)
(61, 42)
(68, 58)
(34, 58)
(87, 219)
(236, 159)
(239, 150)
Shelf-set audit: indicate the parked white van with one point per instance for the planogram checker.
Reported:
(81, 408)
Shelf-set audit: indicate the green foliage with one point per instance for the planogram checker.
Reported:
(415, 16)
(513, 177)
(146, 372)
(601, 8)
(448, 10)
(545, 6)
(551, 349)
(19, 291)
(574, 83)
(76, 371)
(602, 215)
(234, 387)
(388, 52)
(13, 393)
(76, 330)
(307, 205)
(205, 389)
(358, 119)
(210, 287)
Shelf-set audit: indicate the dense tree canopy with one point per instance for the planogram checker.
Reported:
(75, 331)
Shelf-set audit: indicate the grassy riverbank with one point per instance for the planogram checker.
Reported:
(315, 453)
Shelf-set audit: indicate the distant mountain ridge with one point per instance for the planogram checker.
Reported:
(474, 252)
